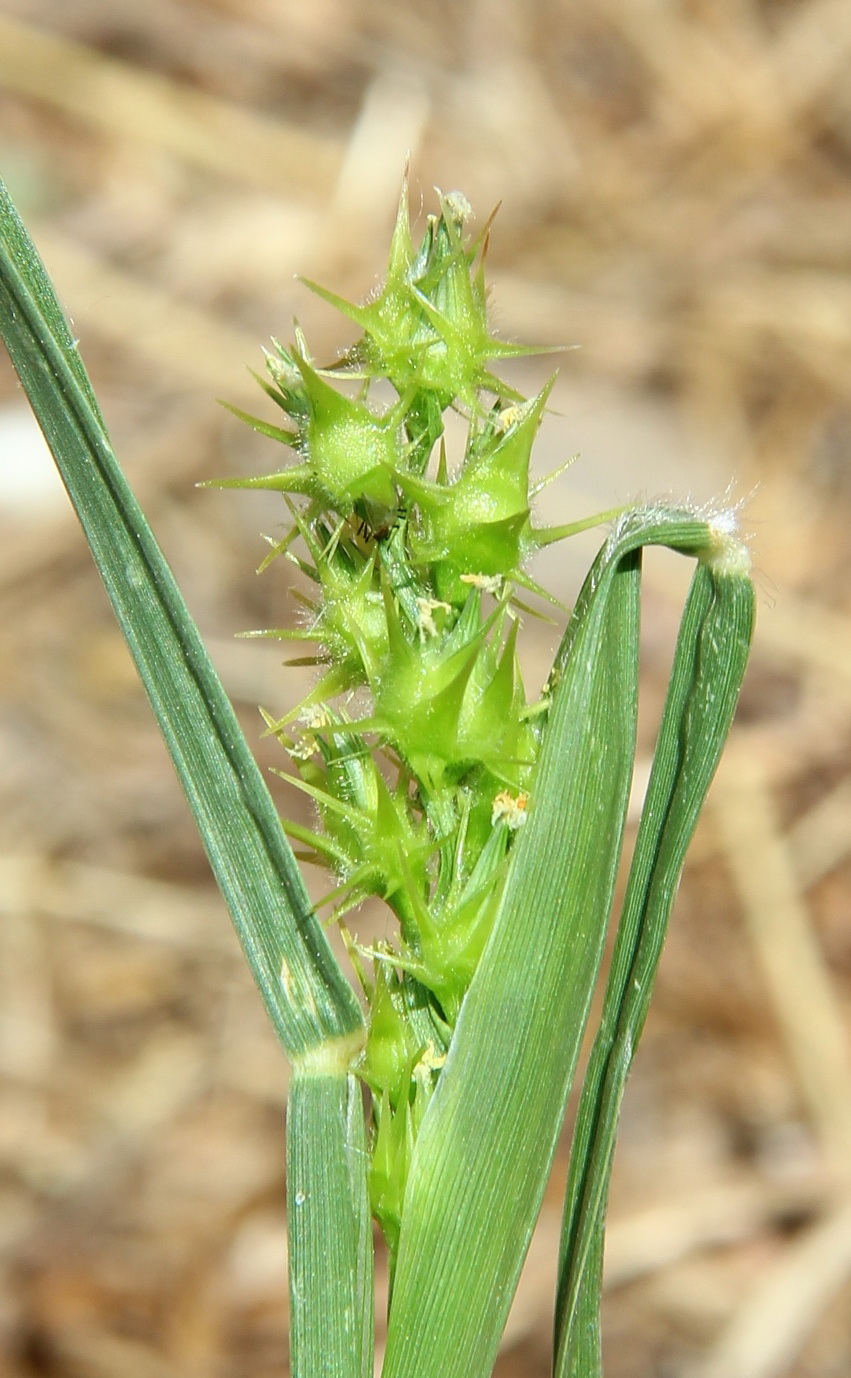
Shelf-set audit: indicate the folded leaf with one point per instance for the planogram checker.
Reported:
(709, 664)
(487, 1139)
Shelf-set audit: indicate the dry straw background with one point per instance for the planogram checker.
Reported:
(676, 187)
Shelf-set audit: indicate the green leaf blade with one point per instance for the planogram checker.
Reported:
(303, 988)
(709, 665)
(486, 1143)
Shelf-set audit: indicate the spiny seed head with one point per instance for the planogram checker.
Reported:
(416, 746)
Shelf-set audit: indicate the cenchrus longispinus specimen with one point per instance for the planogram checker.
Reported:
(490, 824)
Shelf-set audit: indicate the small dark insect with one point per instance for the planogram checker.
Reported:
(368, 534)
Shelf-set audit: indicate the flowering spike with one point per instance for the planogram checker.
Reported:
(413, 555)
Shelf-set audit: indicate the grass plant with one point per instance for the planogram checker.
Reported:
(492, 826)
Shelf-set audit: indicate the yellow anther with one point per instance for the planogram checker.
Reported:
(510, 809)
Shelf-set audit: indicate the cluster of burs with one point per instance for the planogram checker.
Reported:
(416, 744)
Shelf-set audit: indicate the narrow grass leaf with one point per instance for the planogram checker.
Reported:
(312, 1007)
(304, 989)
(706, 676)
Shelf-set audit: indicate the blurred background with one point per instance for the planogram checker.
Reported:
(675, 181)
